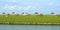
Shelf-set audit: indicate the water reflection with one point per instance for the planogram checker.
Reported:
(29, 27)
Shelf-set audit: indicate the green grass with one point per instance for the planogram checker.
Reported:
(32, 18)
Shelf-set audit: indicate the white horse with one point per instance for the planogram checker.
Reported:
(6, 15)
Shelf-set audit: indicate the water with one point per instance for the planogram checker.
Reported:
(29, 27)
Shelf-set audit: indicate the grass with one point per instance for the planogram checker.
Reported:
(31, 18)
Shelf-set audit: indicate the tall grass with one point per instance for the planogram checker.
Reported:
(31, 18)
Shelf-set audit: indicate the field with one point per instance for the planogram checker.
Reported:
(31, 18)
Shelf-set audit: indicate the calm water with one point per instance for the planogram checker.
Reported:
(29, 27)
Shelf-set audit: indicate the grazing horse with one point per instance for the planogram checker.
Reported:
(24, 14)
(6, 15)
(15, 14)
(57, 15)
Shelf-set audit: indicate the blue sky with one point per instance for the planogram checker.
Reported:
(30, 6)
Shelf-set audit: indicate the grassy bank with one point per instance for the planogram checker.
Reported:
(31, 18)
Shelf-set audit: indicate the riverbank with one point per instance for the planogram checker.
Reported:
(27, 23)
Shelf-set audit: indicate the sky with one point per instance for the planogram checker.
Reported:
(30, 6)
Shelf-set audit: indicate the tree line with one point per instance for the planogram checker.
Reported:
(27, 14)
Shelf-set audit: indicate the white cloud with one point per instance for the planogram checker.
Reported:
(29, 7)
(33, 8)
(15, 7)
(24, 8)
(37, 8)
(14, 1)
(51, 3)
(9, 7)
(19, 8)
(48, 0)
(51, 9)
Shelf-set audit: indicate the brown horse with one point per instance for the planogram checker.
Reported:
(6, 15)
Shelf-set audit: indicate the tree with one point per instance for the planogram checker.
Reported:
(3, 13)
(52, 13)
(22, 13)
(36, 12)
(13, 12)
(27, 14)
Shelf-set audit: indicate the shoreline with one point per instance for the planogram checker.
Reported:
(25, 23)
